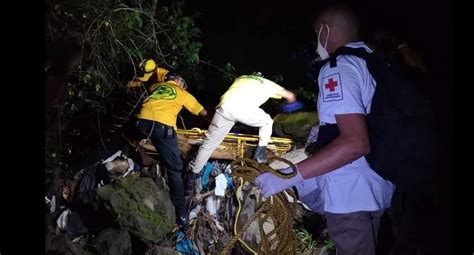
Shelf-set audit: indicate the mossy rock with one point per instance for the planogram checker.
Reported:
(295, 125)
(140, 206)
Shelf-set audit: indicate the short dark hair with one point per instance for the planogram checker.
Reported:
(347, 18)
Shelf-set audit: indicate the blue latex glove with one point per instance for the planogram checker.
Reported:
(293, 107)
(270, 184)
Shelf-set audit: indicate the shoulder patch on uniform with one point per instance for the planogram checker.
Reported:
(332, 88)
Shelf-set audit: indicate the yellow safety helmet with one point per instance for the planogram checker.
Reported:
(146, 69)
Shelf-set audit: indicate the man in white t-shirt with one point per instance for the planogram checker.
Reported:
(338, 181)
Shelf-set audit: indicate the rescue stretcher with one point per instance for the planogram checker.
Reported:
(235, 145)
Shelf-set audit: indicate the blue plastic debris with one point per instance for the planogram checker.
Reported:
(230, 182)
(206, 174)
(184, 245)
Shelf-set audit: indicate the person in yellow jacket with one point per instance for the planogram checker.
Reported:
(157, 121)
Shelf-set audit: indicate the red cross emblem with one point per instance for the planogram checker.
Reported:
(331, 85)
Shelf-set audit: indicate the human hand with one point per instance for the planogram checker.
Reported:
(271, 184)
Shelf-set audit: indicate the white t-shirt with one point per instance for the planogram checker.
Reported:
(249, 91)
(344, 89)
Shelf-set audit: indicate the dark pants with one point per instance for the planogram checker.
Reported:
(354, 233)
(166, 143)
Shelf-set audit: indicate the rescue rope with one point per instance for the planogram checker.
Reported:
(277, 210)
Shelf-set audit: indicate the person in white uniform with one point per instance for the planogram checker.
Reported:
(338, 181)
(240, 103)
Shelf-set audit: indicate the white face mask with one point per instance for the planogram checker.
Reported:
(323, 53)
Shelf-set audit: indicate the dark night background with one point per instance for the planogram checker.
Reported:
(264, 35)
(253, 36)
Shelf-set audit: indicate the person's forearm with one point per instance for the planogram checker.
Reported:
(288, 95)
(338, 153)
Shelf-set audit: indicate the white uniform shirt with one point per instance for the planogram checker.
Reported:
(249, 91)
(344, 89)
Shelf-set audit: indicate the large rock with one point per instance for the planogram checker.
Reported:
(60, 244)
(140, 206)
(295, 125)
(114, 241)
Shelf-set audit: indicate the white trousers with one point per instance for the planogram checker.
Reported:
(223, 121)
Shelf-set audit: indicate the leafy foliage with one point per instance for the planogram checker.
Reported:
(114, 36)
